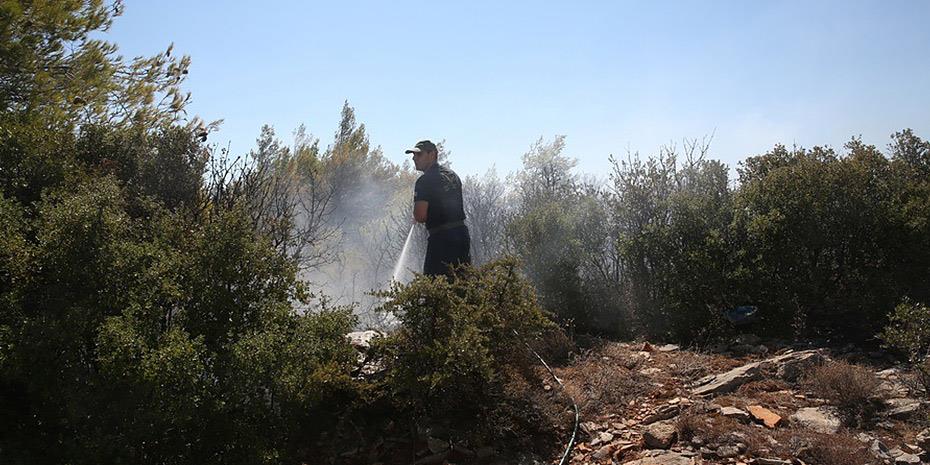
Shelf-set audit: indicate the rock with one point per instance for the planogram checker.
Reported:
(767, 417)
(889, 373)
(668, 348)
(892, 388)
(820, 419)
(726, 452)
(792, 365)
(361, 340)
(660, 435)
(603, 452)
(650, 371)
(765, 461)
(905, 459)
(664, 412)
(923, 439)
(911, 448)
(733, 412)
(726, 382)
(602, 438)
(901, 409)
(879, 449)
(664, 458)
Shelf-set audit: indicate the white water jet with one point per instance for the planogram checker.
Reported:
(398, 268)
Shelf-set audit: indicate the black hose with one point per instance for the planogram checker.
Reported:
(571, 442)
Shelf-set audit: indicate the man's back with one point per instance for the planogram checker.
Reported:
(442, 189)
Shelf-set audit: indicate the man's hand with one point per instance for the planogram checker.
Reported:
(420, 208)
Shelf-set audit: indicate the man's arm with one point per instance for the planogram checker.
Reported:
(420, 207)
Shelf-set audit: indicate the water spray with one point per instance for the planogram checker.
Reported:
(398, 267)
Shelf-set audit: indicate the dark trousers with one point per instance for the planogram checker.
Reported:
(445, 249)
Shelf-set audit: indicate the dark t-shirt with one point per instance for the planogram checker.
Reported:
(442, 188)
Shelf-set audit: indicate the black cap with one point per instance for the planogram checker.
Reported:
(422, 146)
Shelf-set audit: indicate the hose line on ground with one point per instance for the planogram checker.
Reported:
(571, 442)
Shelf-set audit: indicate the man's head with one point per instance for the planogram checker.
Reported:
(424, 155)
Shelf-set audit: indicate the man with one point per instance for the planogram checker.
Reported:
(437, 201)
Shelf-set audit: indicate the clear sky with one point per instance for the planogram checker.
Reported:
(490, 77)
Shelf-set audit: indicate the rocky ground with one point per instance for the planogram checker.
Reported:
(751, 402)
(747, 402)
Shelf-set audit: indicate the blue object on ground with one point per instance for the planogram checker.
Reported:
(741, 315)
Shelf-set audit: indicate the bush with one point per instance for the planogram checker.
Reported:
(908, 332)
(831, 449)
(458, 341)
(851, 388)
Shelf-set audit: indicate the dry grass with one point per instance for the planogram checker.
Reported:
(715, 429)
(554, 346)
(765, 385)
(605, 380)
(689, 425)
(851, 388)
(830, 449)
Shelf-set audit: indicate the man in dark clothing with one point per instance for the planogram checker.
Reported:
(437, 201)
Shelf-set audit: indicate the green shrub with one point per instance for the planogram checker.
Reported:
(908, 332)
(457, 343)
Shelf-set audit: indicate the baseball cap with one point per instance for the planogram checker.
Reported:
(422, 146)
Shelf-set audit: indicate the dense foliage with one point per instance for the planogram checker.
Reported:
(823, 243)
(147, 309)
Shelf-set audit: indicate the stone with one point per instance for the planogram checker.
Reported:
(602, 438)
(603, 452)
(879, 449)
(726, 452)
(660, 435)
(820, 419)
(361, 340)
(767, 417)
(892, 388)
(906, 459)
(911, 448)
(923, 439)
(664, 412)
(889, 373)
(792, 365)
(668, 348)
(888, 425)
(663, 458)
(726, 382)
(735, 413)
(767, 461)
(901, 409)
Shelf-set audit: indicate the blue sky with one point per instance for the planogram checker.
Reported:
(492, 77)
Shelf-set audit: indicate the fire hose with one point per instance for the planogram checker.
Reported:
(571, 441)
